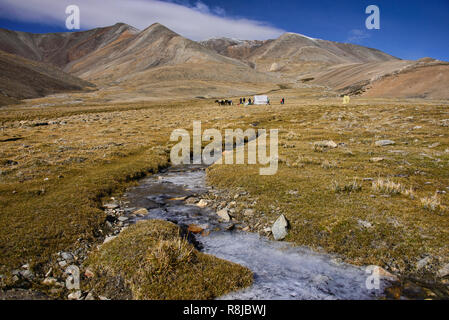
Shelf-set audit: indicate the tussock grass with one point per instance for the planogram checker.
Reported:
(153, 261)
(326, 164)
(387, 187)
(432, 203)
(353, 186)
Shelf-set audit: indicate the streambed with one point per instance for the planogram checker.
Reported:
(281, 270)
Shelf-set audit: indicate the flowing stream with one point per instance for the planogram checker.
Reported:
(281, 270)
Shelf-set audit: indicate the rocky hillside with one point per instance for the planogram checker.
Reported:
(60, 49)
(425, 79)
(159, 54)
(291, 51)
(21, 78)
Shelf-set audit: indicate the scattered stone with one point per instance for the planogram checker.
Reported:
(444, 271)
(280, 228)
(191, 200)
(123, 219)
(89, 296)
(376, 159)
(434, 145)
(75, 295)
(229, 227)
(62, 263)
(195, 229)
(205, 233)
(111, 206)
(202, 203)
(383, 143)
(224, 215)
(49, 281)
(27, 274)
(67, 256)
(387, 275)
(248, 212)
(103, 298)
(141, 211)
(365, 224)
(108, 239)
(423, 262)
(89, 274)
(326, 144)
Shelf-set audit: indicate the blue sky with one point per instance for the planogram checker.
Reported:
(409, 29)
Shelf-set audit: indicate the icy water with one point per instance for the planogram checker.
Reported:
(281, 270)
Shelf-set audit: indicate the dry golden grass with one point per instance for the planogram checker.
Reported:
(59, 162)
(432, 203)
(325, 210)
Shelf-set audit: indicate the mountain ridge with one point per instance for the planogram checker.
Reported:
(157, 61)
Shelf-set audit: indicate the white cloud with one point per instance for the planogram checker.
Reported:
(197, 22)
(357, 35)
(201, 7)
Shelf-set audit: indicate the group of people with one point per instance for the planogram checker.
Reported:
(243, 102)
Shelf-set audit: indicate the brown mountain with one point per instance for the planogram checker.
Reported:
(159, 54)
(293, 52)
(423, 79)
(60, 49)
(155, 63)
(21, 78)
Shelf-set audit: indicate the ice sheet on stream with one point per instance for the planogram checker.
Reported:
(281, 271)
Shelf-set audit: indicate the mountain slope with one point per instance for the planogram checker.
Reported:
(429, 80)
(158, 63)
(153, 55)
(148, 63)
(60, 49)
(293, 53)
(21, 78)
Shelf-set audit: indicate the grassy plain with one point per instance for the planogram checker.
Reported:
(60, 161)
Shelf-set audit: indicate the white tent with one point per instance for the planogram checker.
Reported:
(260, 99)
